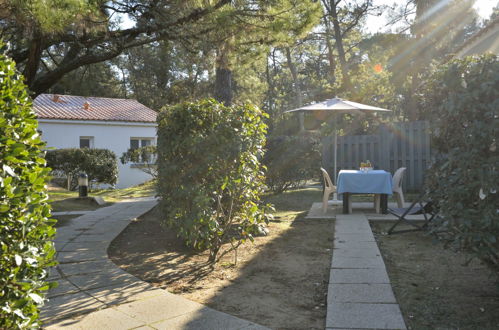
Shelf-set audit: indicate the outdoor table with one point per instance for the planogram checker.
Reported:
(370, 182)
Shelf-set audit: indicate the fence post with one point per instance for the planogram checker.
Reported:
(326, 151)
(383, 148)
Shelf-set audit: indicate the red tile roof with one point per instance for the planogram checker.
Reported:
(52, 106)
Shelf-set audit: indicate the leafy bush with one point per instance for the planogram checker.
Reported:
(25, 227)
(209, 175)
(462, 99)
(144, 158)
(100, 165)
(290, 160)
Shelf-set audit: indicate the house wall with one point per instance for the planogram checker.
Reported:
(114, 136)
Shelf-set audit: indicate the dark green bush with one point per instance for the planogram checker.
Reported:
(462, 100)
(209, 174)
(100, 165)
(25, 228)
(290, 160)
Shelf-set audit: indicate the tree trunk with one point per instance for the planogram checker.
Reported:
(339, 44)
(33, 60)
(330, 55)
(270, 88)
(297, 88)
(418, 29)
(223, 76)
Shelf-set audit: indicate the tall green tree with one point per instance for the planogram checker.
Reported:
(247, 25)
(99, 79)
(90, 32)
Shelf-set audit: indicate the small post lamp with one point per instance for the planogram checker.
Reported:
(83, 185)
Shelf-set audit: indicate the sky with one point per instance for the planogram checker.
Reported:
(377, 24)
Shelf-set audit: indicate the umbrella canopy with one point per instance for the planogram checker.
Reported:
(338, 105)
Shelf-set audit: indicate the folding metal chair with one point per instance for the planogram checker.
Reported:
(427, 209)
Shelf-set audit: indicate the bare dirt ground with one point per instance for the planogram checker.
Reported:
(280, 281)
(434, 287)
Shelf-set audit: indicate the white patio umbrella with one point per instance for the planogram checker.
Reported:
(337, 106)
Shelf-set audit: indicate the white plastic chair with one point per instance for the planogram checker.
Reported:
(397, 186)
(328, 189)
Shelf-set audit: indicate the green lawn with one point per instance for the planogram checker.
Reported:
(295, 203)
(64, 200)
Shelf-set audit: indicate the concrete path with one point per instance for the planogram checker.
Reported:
(359, 295)
(93, 293)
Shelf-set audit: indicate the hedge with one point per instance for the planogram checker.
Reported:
(100, 165)
(462, 100)
(290, 160)
(209, 175)
(25, 225)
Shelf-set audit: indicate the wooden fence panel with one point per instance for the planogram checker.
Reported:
(404, 144)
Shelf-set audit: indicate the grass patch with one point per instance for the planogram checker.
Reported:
(293, 204)
(64, 200)
(75, 204)
(434, 286)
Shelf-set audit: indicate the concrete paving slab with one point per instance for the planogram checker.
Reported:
(159, 308)
(65, 234)
(344, 328)
(108, 318)
(75, 256)
(360, 293)
(206, 319)
(367, 276)
(366, 316)
(362, 237)
(349, 262)
(89, 237)
(63, 287)
(338, 244)
(356, 253)
(100, 280)
(85, 267)
(69, 305)
(84, 246)
(120, 294)
(352, 229)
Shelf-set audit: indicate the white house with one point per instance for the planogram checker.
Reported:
(68, 121)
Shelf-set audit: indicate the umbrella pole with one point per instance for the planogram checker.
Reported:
(335, 155)
(335, 200)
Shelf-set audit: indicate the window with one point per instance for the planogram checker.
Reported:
(136, 142)
(86, 141)
(140, 142)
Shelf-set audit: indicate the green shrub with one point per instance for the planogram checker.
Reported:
(144, 158)
(209, 175)
(25, 228)
(290, 160)
(462, 100)
(100, 165)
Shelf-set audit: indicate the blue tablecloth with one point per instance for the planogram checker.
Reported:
(357, 182)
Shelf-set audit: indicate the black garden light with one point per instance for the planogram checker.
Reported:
(83, 185)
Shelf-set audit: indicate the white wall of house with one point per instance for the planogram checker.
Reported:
(114, 136)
